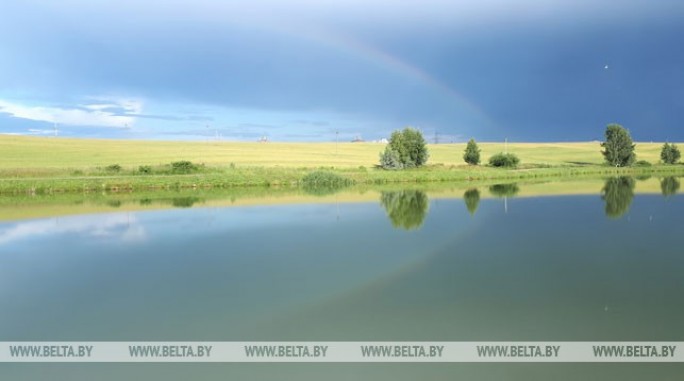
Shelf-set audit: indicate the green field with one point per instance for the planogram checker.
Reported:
(60, 164)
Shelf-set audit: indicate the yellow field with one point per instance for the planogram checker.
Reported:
(34, 152)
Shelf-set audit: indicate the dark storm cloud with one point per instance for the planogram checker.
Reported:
(527, 70)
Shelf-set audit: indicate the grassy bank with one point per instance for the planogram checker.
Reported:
(52, 165)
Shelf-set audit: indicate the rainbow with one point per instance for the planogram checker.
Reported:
(381, 59)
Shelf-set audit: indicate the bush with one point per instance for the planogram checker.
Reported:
(325, 178)
(389, 159)
(619, 149)
(642, 163)
(507, 160)
(472, 153)
(322, 183)
(113, 168)
(183, 167)
(409, 149)
(669, 154)
(145, 169)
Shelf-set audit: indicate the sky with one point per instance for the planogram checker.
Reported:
(321, 70)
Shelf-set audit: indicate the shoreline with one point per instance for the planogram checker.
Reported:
(41, 165)
(250, 177)
(25, 206)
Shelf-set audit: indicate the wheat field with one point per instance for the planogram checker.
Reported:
(18, 152)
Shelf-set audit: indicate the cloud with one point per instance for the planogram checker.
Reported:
(114, 113)
(35, 131)
(121, 227)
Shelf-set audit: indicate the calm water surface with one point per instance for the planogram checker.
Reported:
(488, 266)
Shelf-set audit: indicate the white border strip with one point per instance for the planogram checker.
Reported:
(341, 352)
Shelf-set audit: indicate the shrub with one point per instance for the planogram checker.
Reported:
(145, 169)
(325, 178)
(389, 159)
(642, 163)
(472, 153)
(669, 154)
(113, 168)
(183, 166)
(321, 183)
(508, 160)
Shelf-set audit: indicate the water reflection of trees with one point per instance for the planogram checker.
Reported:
(618, 193)
(406, 209)
(472, 200)
(669, 186)
(504, 190)
(184, 202)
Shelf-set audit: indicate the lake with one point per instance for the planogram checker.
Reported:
(589, 260)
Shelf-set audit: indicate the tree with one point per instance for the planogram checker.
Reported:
(619, 149)
(409, 147)
(472, 153)
(669, 154)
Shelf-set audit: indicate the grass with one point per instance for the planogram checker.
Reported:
(48, 165)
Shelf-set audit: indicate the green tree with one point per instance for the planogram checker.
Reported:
(618, 147)
(669, 154)
(406, 209)
(472, 153)
(472, 200)
(409, 147)
(618, 193)
(669, 186)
